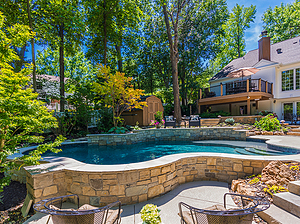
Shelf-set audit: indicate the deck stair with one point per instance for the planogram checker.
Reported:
(286, 206)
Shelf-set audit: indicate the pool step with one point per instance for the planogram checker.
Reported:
(244, 152)
(288, 201)
(264, 152)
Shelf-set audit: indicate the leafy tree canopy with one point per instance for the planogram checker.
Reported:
(282, 22)
(22, 117)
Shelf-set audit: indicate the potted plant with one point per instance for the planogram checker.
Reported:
(159, 121)
(150, 214)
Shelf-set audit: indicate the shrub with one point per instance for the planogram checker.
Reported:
(118, 130)
(264, 112)
(268, 123)
(150, 214)
(105, 122)
(230, 121)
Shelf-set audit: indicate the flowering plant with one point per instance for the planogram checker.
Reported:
(150, 214)
(158, 119)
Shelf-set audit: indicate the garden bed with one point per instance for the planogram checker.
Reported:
(12, 199)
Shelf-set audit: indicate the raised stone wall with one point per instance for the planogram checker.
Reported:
(137, 185)
(243, 119)
(168, 134)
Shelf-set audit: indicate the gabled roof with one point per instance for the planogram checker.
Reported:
(290, 53)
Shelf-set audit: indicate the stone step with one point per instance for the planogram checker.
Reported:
(276, 215)
(288, 201)
(295, 129)
(293, 133)
(294, 126)
(294, 187)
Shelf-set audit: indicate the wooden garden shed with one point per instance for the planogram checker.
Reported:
(145, 115)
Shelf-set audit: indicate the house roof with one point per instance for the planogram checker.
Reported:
(289, 53)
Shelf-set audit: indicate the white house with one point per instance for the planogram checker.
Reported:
(48, 88)
(267, 78)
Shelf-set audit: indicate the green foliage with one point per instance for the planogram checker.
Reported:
(230, 121)
(136, 127)
(159, 116)
(118, 130)
(282, 22)
(105, 121)
(264, 112)
(233, 42)
(214, 115)
(22, 118)
(268, 123)
(150, 214)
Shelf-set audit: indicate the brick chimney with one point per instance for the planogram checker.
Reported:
(264, 47)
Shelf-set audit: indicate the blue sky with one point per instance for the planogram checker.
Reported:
(252, 34)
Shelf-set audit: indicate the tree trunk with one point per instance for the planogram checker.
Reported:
(104, 34)
(32, 48)
(118, 49)
(174, 62)
(18, 64)
(62, 68)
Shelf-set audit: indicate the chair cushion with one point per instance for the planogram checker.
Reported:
(169, 118)
(63, 219)
(195, 117)
(187, 217)
(112, 216)
(87, 207)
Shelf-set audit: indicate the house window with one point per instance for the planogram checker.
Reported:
(298, 78)
(287, 80)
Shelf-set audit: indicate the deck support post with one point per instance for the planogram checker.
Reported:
(248, 107)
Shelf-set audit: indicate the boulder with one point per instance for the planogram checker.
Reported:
(245, 189)
(235, 183)
(277, 173)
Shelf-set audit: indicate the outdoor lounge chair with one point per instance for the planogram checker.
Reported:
(195, 120)
(170, 121)
(218, 214)
(86, 214)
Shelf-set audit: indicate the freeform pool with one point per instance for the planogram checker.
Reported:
(125, 154)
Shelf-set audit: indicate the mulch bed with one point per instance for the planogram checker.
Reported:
(12, 199)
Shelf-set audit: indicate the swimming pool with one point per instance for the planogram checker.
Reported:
(140, 152)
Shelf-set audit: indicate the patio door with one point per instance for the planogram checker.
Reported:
(288, 111)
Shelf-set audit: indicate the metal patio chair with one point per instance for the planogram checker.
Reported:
(86, 214)
(195, 120)
(170, 121)
(219, 214)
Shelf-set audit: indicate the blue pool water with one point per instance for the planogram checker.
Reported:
(124, 154)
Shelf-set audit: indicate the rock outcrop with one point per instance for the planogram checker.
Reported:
(277, 173)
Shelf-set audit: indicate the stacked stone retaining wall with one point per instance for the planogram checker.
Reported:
(168, 134)
(138, 185)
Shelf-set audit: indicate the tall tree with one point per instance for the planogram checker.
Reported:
(172, 11)
(29, 16)
(234, 39)
(282, 22)
(111, 29)
(60, 22)
(198, 42)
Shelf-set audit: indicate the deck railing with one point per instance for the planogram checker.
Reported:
(241, 86)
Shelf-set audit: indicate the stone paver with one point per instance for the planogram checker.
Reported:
(200, 194)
